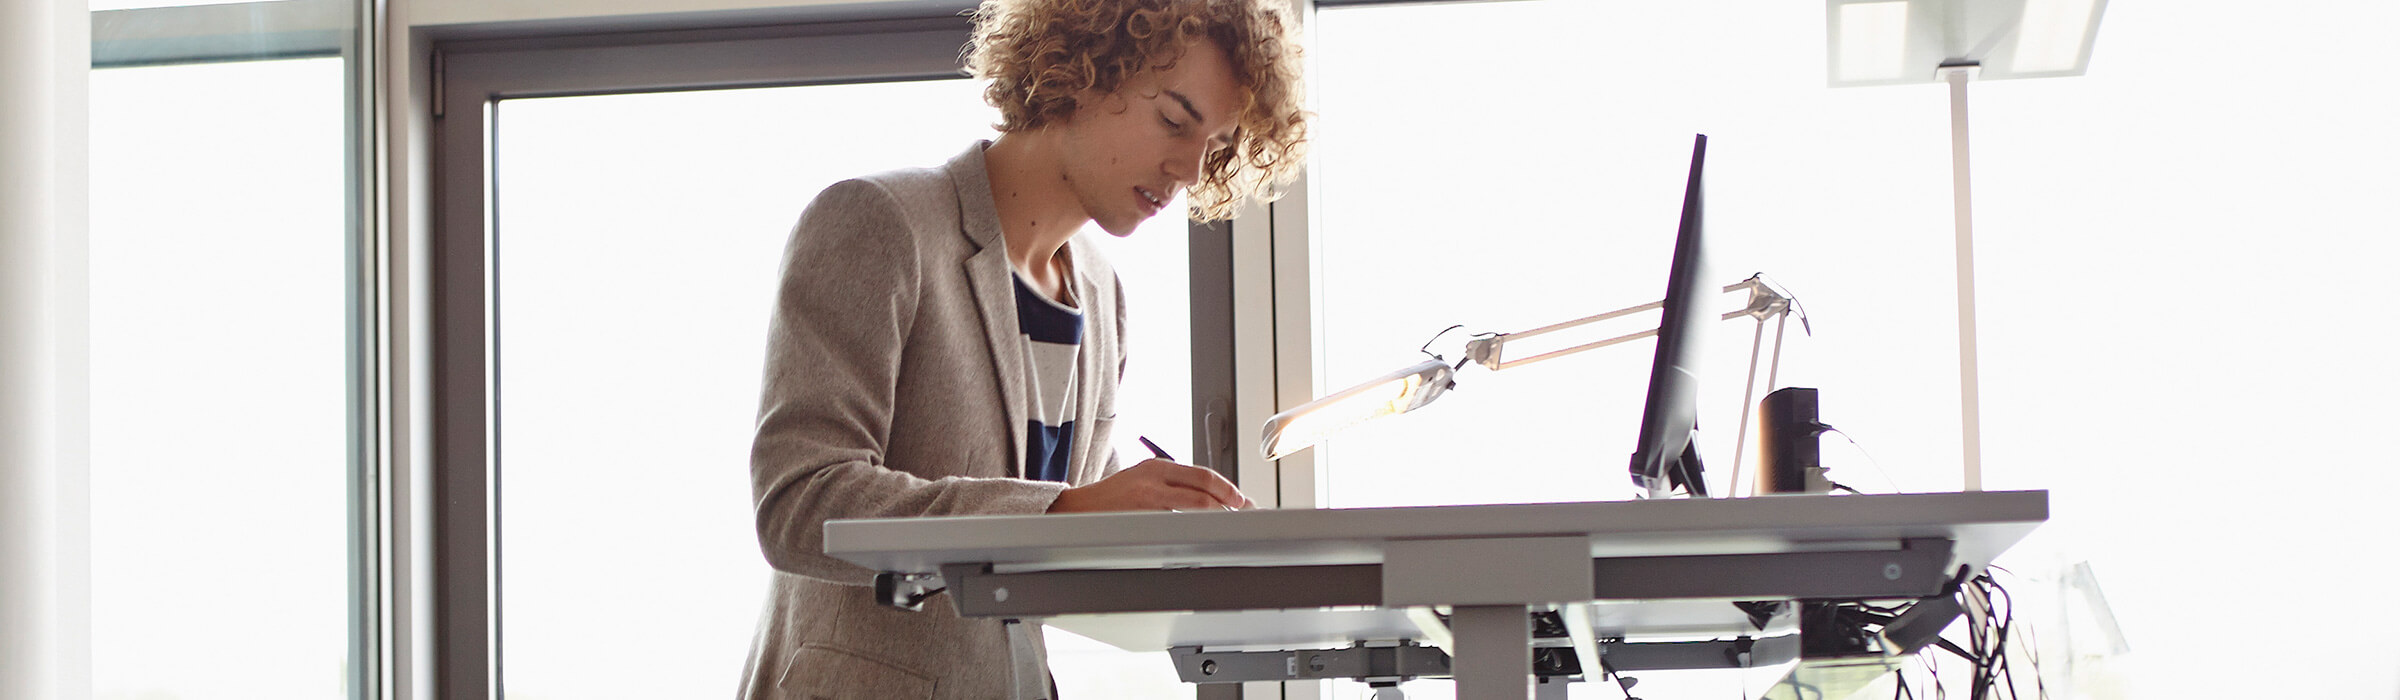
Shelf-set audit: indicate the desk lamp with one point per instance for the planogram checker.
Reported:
(1896, 42)
(1412, 387)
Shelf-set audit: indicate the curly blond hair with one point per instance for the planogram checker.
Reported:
(1039, 54)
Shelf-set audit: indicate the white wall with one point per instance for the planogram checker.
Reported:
(44, 481)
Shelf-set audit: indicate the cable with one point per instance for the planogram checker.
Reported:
(2033, 655)
(1438, 336)
(2028, 642)
(1862, 451)
(1990, 628)
(1992, 678)
(1624, 684)
(1940, 691)
(1979, 631)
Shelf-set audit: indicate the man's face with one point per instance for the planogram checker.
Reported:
(1128, 153)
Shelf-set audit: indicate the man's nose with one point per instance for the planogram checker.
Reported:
(1185, 163)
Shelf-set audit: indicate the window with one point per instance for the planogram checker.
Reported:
(2165, 260)
(229, 478)
(1529, 199)
(635, 245)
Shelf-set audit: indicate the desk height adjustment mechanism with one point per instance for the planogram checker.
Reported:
(906, 591)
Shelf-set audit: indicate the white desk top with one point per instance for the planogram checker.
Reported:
(1982, 524)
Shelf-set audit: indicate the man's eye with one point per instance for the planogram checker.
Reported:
(1162, 119)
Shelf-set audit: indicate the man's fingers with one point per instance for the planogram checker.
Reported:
(1226, 492)
(1206, 481)
(1187, 499)
(1163, 485)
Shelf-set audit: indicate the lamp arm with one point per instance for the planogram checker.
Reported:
(1765, 301)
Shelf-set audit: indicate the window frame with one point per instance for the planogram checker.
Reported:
(452, 649)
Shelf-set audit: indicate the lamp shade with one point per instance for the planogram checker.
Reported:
(1399, 392)
(1893, 42)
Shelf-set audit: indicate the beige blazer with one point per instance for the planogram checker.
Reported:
(894, 388)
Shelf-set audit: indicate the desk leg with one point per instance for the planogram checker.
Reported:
(1491, 652)
(1556, 689)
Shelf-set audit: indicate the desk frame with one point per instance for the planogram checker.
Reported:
(1858, 547)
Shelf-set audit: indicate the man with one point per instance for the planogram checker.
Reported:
(944, 343)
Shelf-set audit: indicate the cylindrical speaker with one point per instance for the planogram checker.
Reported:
(1787, 443)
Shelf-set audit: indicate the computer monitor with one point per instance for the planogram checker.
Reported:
(1666, 457)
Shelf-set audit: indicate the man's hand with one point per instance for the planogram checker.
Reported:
(1154, 484)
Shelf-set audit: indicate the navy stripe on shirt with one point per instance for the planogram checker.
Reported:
(1046, 450)
(1042, 320)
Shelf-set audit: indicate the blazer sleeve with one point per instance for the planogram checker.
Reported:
(848, 297)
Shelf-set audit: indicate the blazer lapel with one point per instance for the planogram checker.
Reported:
(989, 275)
(1097, 335)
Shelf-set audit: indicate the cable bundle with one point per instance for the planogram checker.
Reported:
(1991, 613)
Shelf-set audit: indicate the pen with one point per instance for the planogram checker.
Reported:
(1155, 451)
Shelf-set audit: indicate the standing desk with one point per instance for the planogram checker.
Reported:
(1614, 568)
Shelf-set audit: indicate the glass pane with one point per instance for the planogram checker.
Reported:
(1578, 226)
(639, 241)
(220, 413)
(2170, 270)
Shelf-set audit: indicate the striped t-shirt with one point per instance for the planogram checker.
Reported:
(1053, 334)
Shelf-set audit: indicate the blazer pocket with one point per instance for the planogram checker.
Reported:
(819, 672)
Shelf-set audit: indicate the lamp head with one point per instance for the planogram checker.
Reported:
(1395, 393)
(1893, 42)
